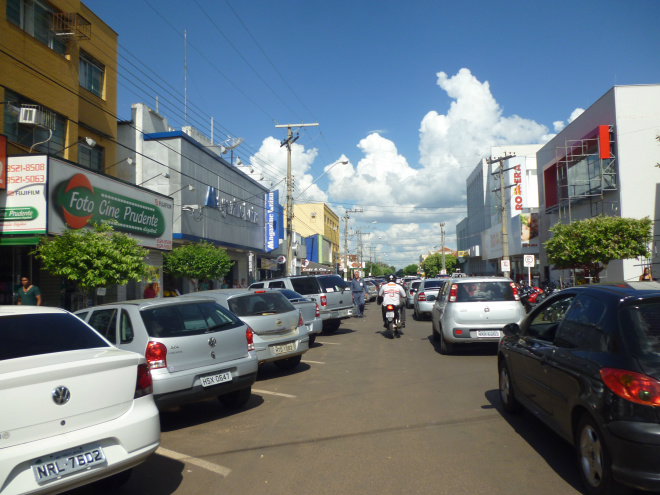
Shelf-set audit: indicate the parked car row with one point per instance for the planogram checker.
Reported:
(585, 361)
(85, 389)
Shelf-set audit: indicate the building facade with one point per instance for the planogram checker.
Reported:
(605, 162)
(318, 219)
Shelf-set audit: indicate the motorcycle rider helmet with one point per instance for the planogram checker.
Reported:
(391, 278)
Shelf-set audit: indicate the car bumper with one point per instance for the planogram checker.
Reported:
(339, 314)
(126, 442)
(199, 392)
(424, 308)
(470, 335)
(635, 450)
(271, 351)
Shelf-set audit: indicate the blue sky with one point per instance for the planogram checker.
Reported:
(411, 93)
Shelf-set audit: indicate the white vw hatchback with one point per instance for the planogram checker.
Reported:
(73, 408)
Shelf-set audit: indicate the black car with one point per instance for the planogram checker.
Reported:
(586, 361)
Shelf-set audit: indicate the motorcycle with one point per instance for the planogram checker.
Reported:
(530, 296)
(393, 321)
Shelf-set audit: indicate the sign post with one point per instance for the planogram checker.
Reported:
(528, 261)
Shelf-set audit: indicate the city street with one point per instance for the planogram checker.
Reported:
(362, 414)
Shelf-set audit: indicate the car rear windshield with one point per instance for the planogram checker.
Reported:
(433, 284)
(332, 283)
(179, 320)
(37, 334)
(292, 295)
(640, 326)
(484, 291)
(260, 304)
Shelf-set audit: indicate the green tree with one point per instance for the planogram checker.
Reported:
(433, 264)
(410, 270)
(197, 261)
(93, 258)
(592, 243)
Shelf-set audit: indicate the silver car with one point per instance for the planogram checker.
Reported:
(413, 285)
(280, 335)
(310, 312)
(424, 298)
(194, 347)
(474, 309)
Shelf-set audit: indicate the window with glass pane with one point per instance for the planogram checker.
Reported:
(35, 18)
(91, 74)
(91, 158)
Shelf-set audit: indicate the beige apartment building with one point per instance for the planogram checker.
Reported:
(311, 219)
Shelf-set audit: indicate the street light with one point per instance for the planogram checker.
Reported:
(127, 160)
(189, 186)
(88, 140)
(342, 162)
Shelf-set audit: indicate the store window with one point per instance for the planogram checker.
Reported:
(91, 74)
(36, 18)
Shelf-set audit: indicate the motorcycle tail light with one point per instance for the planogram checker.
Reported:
(390, 307)
(516, 296)
(632, 386)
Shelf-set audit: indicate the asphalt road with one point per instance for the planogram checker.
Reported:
(362, 414)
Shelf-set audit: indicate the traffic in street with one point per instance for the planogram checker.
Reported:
(362, 413)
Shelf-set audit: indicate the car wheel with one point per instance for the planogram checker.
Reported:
(236, 399)
(288, 363)
(331, 326)
(594, 459)
(312, 339)
(507, 395)
(446, 348)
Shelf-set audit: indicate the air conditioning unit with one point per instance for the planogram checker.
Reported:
(28, 115)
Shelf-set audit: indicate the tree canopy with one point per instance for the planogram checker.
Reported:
(93, 258)
(433, 264)
(197, 261)
(590, 244)
(410, 270)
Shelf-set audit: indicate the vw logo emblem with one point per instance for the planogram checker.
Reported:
(486, 310)
(212, 342)
(61, 396)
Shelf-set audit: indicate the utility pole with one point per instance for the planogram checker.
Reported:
(505, 239)
(442, 231)
(346, 217)
(291, 267)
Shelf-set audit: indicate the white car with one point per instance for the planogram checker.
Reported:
(74, 408)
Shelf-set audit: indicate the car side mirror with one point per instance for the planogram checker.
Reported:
(511, 330)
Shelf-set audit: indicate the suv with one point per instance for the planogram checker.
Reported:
(586, 361)
(194, 347)
(330, 292)
(474, 309)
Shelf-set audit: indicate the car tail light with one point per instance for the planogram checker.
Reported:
(452, 292)
(156, 355)
(390, 307)
(421, 296)
(144, 384)
(301, 322)
(249, 334)
(324, 301)
(318, 311)
(259, 291)
(632, 386)
(516, 296)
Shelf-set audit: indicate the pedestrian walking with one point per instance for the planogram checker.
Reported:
(28, 294)
(358, 288)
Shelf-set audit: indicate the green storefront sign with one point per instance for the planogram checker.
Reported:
(18, 213)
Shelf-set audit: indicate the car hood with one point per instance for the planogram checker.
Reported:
(101, 383)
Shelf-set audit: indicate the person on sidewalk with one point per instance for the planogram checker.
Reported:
(28, 294)
(358, 288)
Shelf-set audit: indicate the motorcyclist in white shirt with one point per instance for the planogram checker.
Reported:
(392, 293)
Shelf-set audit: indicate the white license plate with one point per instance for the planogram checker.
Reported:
(64, 463)
(283, 349)
(210, 380)
(488, 333)
(389, 314)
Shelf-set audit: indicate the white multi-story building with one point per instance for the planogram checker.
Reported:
(480, 234)
(605, 162)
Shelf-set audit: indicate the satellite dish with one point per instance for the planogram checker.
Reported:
(231, 143)
(223, 150)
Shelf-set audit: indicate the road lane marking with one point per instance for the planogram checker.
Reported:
(328, 343)
(215, 468)
(254, 390)
(313, 362)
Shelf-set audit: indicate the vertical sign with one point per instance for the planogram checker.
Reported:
(3, 162)
(23, 202)
(272, 206)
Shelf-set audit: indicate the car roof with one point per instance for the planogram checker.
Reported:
(28, 310)
(158, 301)
(622, 290)
(471, 280)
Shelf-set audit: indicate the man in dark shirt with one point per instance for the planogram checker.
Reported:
(28, 295)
